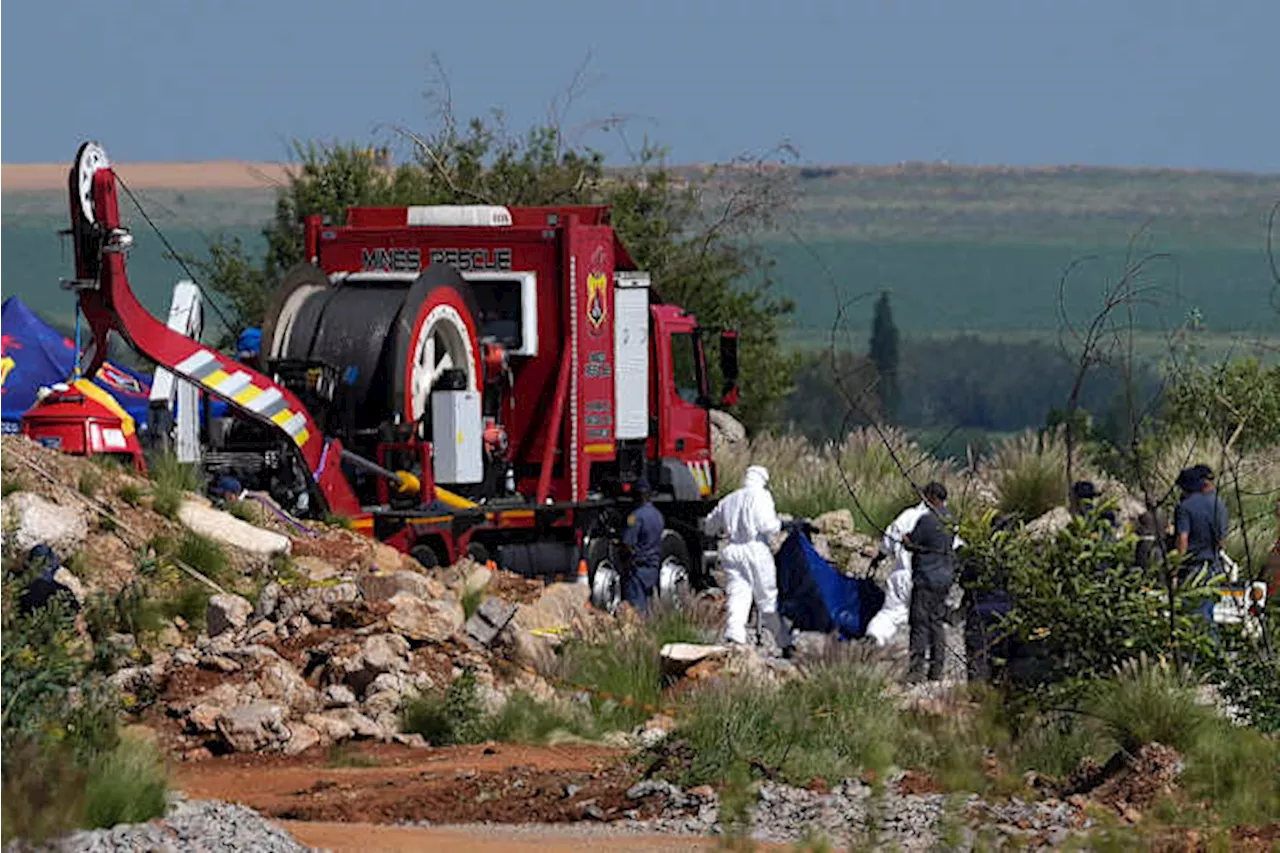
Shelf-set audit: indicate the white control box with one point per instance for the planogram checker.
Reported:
(457, 436)
(631, 354)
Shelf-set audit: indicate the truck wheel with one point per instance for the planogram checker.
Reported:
(477, 552)
(604, 576)
(425, 555)
(675, 578)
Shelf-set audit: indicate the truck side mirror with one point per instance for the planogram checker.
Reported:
(729, 367)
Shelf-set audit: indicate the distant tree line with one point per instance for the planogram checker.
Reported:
(965, 385)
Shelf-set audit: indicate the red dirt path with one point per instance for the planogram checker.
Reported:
(500, 784)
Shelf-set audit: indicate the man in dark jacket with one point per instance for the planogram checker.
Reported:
(1200, 526)
(643, 545)
(931, 544)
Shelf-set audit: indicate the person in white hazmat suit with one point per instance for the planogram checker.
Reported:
(748, 520)
(897, 598)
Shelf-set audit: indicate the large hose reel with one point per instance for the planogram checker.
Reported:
(392, 338)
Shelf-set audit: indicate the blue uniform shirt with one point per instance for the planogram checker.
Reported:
(644, 536)
(1203, 517)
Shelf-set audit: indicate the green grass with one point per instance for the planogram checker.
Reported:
(624, 670)
(130, 493)
(205, 555)
(347, 755)
(1030, 474)
(446, 717)
(126, 785)
(471, 600)
(12, 484)
(834, 724)
(90, 481)
(524, 719)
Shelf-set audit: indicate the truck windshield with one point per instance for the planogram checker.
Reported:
(684, 366)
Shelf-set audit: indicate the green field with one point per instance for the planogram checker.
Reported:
(978, 250)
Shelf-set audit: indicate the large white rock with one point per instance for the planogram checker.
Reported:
(383, 586)
(37, 521)
(253, 727)
(726, 430)
(229, 530)
(434, 621)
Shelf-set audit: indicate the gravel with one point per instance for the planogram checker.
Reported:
(192, 826)
(854, 813)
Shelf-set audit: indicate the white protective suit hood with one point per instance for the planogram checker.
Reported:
(747, 515)
(756, 477)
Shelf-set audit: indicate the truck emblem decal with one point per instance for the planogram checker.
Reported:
(597, 290)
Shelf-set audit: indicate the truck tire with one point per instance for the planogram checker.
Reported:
(604, 576)
(675, 579)
(426, 556)
(477, 552)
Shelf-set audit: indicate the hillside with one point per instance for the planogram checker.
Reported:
(960, 248)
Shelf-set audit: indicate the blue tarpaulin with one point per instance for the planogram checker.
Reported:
(813, 596)
(34, 354)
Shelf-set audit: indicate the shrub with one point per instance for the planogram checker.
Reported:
(1236, 772)
(43, 791)
(130, 493)
(1080, 601)
(90, 481)
(524, 719)
(445, 718)
(166, 501)
(471, 600)
(167, 472)
(190, 600)
(1150, 703)
(834, 724)
(623, 668)
(11, 484)
(126, 785)
(246, 511)
(203, 554)
(1029, 472)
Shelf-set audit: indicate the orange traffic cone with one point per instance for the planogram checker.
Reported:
(583, 577)
(491, 565)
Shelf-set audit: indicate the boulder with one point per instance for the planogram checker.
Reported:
(339, 696)
(383, 586)
(678, 657)
(302, 737)
(226, 613)
(559, 606)
(378, 654)
(253, 727)
(203, 718)
(835, 523)
(359, 724)
(433, 621)
(384, 558)
(329, 727)
(382, 702)
(317, 602)
(268, 601)
(490, 618)
(476, 578)
(726, 431)
(229, 530)
(281, 683)
(1051, 523)
(316, 569)
(38, 521)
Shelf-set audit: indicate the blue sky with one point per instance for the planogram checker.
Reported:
(1108, 82)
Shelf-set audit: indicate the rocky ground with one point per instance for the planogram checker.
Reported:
(288, 700)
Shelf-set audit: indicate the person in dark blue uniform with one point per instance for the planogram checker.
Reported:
(643, 541)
